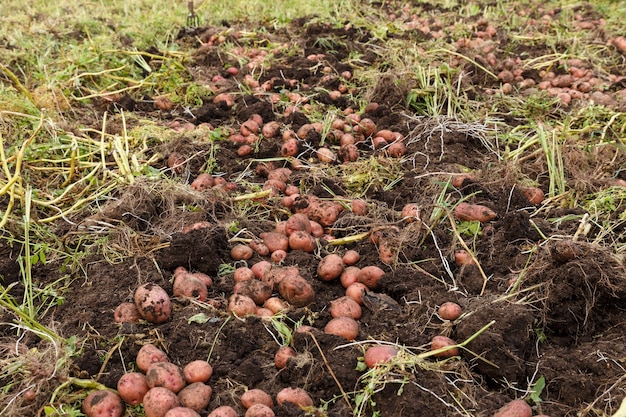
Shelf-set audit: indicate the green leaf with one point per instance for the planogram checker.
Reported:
(199, 318)
(538, 386)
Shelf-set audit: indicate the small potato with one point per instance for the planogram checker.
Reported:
(158, 401)
(297, 396)
(153, 303)
(463, 258)
(379, 354)
(370, 276)
(259, 247)
(132, 387)
(166, 375)
(275, 305)
(243, 273)
(126, 313)
(450, 311)
(275, 241)
(282, 356)
(324, 212)
(197, 371)
(258, 290)
(223, 411)
(241, 252)
(298, 222)
(202, 182)
(103, 403)
(351, 257)
(474, 212)
(345, 307)
(260, 410)
(330, 267)
(349, 276)
(301, 240)
(439, 342)
(515, 408)
(534, 195)
(345, 327)
(278, 256)
(181, 412)
(356, 291)
(189, 286)
(241, 305)
(296, 290)
(196, 396)
(256, 396)
(260, 268)
(410, 213)
(149, 354)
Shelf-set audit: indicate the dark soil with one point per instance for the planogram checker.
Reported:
(557, 308)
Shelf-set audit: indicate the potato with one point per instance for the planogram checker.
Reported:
(534, 195)
(298, 222)
(153, 303)
(515, 408)
(103, 403)
(166, 375)
(330, 267)
(241, 252)
(260, 268)
(196, 396)
(351, 257)
(282, 356)
(439, 342)
(263, 312)
(258, 290)
(260, 410)
(297, 396)
(241, 305)
(243, 273)
(197, 371)
(207, 280)
(126, 313)
(345, 307)
(275, 305)
(296, 290)
(450, 311)
(345, 327)
(132, 387)
(463, 258)
(410, 213)
(223, 411)
(259, 247)
(149, 354)
(370, 276)
(379, 354)
(356, 291)
(189, 286)
(301, 240)
(256, 396)
(202, 182)
(324, 212)
(275, 241)
(278, 256)
(349, 276)
(158, 401)
(474, 212)
(181, 412)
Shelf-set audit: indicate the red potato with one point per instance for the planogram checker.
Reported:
(359, 207)
(325, 155)
(282, 356)
(257, 290)
(275, 305)
(345, 327)
(379, 354)
(207, 280)
(243, 273)
(256, 396)
(458, 180)
(515, 408)
(324, 212)
(410, 213)
(259, 410)
(330, 267)
(241, 252)
(149, 354)
(370, 276)
(249, 127)
(351, 257)
(463, 258)
(297, 396)
(197, 371)
(227, 98)
(196, 226)
(153, 303)
(270, 129)
(345, 307)
(196, 396)
(189, 286)
(263, 312)
(202, 182)
(241, 305)
(166, 375)
(278, 256)
(296, 290)
(181, 412)
(534, 194)
(275, 241)
(297, 222)
(103, 403)
(176, 162)
(223, 411)
(290, 148)
(301, 240)
(356, 291)
(396, 149)
(158, 401)
(474, 212)
(450, 311)
(349, 276)
(132, 387)
(316, 229)
(259, 247)
(260, 268)
(276, 274)
(439, 342)
(126, 313)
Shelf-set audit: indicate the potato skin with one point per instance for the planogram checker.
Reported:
(439, 342)
(450, 311)
(197, 371)
(196, 396)
(297, 396)
(470, 212)
(149, 354)
(330, 267)
(515, 408)
(181, 412)
(166, 375)
(189, 286)
(379, 354)
(158, 401)
(223, 411)
(296, 290)
(256, 396)
(103, 403)
(153, 303)
(259, 410)
(343, 326)
(345, 307)
(126, 313)
(132, 387)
